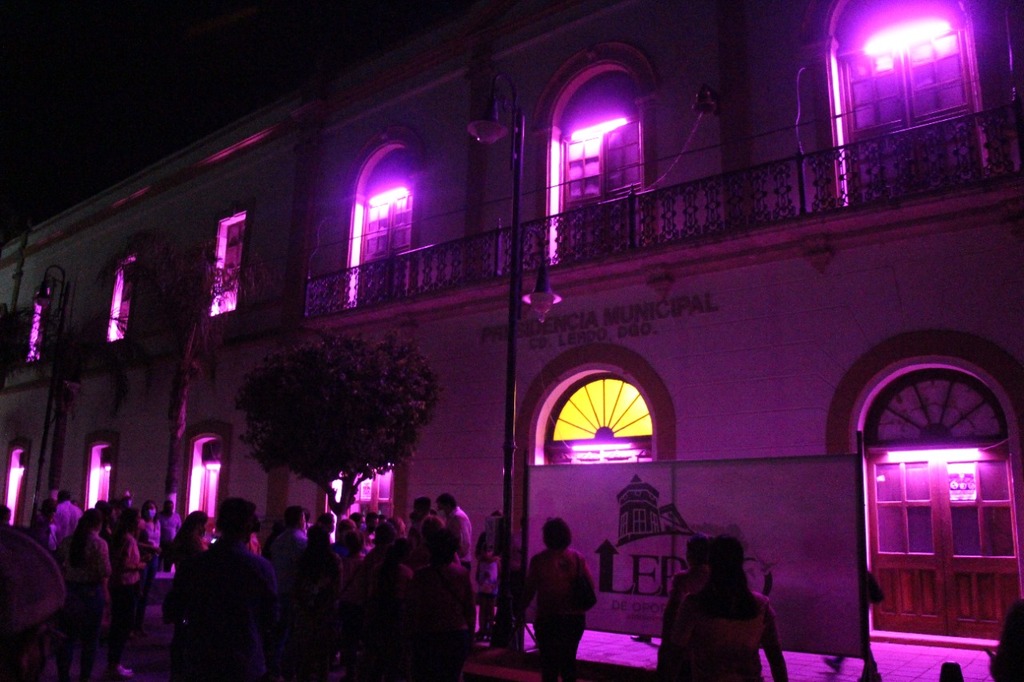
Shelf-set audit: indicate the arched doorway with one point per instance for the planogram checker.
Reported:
(940, 505)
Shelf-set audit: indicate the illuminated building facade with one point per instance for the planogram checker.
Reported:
(776, 226)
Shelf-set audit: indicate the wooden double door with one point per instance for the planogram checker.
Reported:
(942, 541)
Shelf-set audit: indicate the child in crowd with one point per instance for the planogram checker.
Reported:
(488, 568)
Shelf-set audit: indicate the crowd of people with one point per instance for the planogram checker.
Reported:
(374, 598)
(377, 599)
(108, 557)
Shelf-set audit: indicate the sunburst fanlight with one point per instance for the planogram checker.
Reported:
(603, 417)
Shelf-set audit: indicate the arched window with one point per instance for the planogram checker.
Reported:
(595, 148)
(599, 419)
(899, 65)
(382, 212)
(205, 460)
(935, 408)
(101, 456)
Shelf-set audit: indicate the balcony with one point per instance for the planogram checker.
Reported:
(955, 153)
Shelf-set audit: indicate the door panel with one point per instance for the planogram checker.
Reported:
(913, 600)
(942, 544)
(980, 593)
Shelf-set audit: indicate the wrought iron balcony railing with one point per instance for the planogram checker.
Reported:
(952, 153)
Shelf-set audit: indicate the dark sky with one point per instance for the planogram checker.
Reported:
(92, 92)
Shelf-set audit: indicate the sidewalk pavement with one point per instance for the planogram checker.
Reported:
(603, 657)
(608, 657)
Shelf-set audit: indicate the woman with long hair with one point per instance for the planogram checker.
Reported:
(188, 543)
(725, 623)
(386, 653)
(85, 562)
(315, 602)
(126, 572)
(559, 623)
(191, 539)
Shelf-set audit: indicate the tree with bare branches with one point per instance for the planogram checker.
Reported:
(176, 288)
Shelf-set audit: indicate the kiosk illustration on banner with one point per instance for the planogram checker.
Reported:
(641, 518)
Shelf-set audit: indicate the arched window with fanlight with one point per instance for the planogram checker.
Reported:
(600, 419)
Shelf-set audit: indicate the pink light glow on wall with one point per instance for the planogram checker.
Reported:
(237, 147)
(131, 197)
(388, 197)
(896, 38)
(597, 130)
(598, 445)
(937, 455)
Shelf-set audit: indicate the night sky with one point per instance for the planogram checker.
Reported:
(93, 92)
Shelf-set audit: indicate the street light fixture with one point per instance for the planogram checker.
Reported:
(543, 298)
(489, 129)
(53, 278)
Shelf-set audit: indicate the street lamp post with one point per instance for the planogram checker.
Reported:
(489, 130)
(43, 300)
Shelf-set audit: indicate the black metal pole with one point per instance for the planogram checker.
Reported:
(54, 383)
(502, 633)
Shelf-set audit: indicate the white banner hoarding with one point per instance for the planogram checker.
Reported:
(800, 520)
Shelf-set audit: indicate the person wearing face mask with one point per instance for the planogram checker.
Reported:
(149, 548)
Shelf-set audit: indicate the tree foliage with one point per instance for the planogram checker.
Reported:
(340, 408)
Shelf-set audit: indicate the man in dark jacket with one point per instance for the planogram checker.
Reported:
(228, 597)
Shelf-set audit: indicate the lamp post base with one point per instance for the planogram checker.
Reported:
(503, 630)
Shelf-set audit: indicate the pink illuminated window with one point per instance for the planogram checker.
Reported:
(388, 227)
(601, 160)
(230, 235)
(15, 476)
(373, 494)
(204, 475)
(101, 461)
(120, 302)
(904, 74)
(595, 150)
